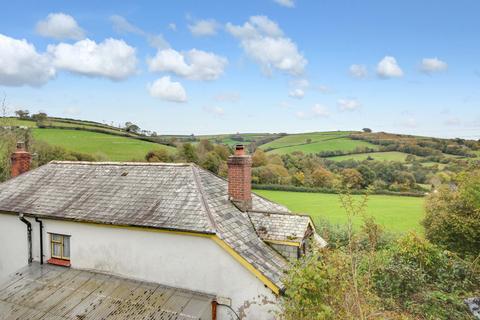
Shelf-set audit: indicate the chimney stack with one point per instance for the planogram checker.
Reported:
(20, 160)
(240, 179)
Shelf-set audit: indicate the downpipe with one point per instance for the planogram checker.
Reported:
(29, 232)
(40, 224)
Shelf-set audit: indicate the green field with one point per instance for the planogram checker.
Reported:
(340, 144)
(395, 213)
(379, 156)
(114, 148)
(319, 142)
(298, 139)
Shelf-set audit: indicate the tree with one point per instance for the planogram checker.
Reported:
(351, 178)
(323, 178)
(40, 117)
(259, 158)
(452, 217)
(212, 162)
(131, 127)
(158, 155)
(367, 130)
(22, 114)
(188, 153)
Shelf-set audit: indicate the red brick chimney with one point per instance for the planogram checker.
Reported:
(240, 179)
(20, 160)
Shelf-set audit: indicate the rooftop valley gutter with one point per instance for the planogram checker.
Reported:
(41, 238)
(29, 232)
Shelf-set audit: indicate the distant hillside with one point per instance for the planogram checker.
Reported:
(104, 146)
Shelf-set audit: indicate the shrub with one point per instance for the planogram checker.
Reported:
(452, 217)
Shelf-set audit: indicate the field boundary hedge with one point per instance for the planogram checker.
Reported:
(278, 187)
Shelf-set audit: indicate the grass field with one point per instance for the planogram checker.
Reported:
(395, 213)
(298, 139)
(340, 144)
(320, 141)
(379, 156)
(114, 148)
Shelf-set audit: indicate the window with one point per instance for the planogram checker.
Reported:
(60, 248)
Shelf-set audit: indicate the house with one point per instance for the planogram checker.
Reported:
(175, 225)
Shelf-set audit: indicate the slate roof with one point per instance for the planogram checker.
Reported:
(168, 196)
(280, 226)
(51, 292)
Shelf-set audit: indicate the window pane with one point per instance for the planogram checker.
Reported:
(57, 250)
(56, 237)
(66, 247)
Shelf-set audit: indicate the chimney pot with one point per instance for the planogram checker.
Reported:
(240, 178)
(20, 159)
(239, 150)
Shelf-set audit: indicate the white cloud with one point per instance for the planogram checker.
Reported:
(113, 59)
(298, 88)
(172, 26)
(431, 65)
(389, 68)
(21, 64)
(60, 26)
(228, 97)
(348, 104)
(286, 3)
(218, 111)
(204, 28)
(263, 41)
(324, 89)
(194, 64)
(122, 26)
(319, 110)
(358, 70)
(296, 93)
(166, 89)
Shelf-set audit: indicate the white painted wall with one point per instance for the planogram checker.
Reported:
(183, 261)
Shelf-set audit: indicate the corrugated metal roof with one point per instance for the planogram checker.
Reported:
(51, 292)
(168, 196)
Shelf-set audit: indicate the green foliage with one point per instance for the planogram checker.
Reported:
(212, 162)
(366, 277)
(453, 215)
(159, 155)
(416, 276)
(187, 153)
(45, 153)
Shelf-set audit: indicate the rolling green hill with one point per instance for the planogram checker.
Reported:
(316, 142)
(111, 147)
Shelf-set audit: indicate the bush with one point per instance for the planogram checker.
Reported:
(453, 215)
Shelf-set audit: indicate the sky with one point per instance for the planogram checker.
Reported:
(182, 67)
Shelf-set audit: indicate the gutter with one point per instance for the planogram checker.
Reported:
(40, 222)
(29, 234)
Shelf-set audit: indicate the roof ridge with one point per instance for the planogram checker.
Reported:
(199, 184)
(281, 213)
(113, 163)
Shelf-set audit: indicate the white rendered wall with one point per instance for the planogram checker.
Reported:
(182, 261)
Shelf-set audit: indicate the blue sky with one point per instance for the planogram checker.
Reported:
(249, 66)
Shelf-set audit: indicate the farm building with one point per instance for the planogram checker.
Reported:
(104, 230)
